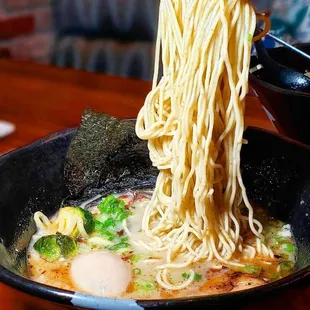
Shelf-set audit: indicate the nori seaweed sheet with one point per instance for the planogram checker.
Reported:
(105, 156)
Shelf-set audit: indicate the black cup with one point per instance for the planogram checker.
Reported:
(290, 110)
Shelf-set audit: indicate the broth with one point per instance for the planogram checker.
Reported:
(210, 277)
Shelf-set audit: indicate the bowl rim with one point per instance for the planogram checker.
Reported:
(62, 296)
(254, 79)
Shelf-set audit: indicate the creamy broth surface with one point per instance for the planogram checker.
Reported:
(132, 274)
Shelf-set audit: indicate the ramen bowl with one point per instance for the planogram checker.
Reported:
(289, 109)
(276, 172)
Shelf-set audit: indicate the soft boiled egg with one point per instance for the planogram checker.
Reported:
(100, 273)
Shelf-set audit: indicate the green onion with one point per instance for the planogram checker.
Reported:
(111, 205)
(144, 285)
(282, 240)
(109, 223)
(120, 247)
(135, 258)
(186, 275)
(140, 230)
(252, 269)
(98, 241)
(197, 277)
(103, 231)
(287, 265)
(123, 239)
(122, 216)
(275, 276)
(136, 271)
(100, 217)
(289, 248)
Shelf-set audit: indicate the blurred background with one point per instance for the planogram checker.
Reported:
(111, 36)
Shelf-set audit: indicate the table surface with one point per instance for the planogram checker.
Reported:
(40, 100)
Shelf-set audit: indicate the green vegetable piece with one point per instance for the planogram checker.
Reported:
(251, 269)
(287, 265)
(250, 37)
(67, 245)
(98, 226)
(136, 271)
(282, 239)
(124, 215)
(99, 241)
(111, 205)
(120, 247)
(289, 248)
(109, 223)
(275, 276)
(100, 217)
(197, 276)
(123, 239)
(144, 285)
(88, 220)
(104, 232)
(186, 275)
(85, 215)
(53, 247)
(135, 258)
(48, 248)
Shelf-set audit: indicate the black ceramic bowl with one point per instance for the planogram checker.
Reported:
(290, 109)
(276, 172)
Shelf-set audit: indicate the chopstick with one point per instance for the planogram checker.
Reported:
(289, 46)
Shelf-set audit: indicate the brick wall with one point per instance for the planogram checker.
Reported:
(26, 31)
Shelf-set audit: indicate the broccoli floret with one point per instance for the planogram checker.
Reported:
(88, 221)
(54, 247)
(48, 248)
(76, 214)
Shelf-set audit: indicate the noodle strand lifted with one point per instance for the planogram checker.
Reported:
(193, 120)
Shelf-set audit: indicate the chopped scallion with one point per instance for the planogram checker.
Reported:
(136, 271)
(281, 239)
(120, 247)
(103, 231)
(109, 223)
(144, 285)
(252, 269)
(186, 275)
(286, 265)
(289, 248)
(197, 276)
(122, 216)
(111, 205)
(135, 258)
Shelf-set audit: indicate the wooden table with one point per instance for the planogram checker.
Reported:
(40, 100)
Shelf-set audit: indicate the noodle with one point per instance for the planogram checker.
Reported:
(67, 223)
(193, 120)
